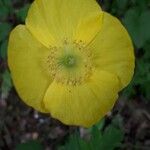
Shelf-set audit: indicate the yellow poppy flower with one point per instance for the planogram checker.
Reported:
(70, 59)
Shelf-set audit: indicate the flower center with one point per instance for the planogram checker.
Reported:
(68, 61)
(70, 64)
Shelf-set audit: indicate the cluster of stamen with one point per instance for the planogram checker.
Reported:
(73, 68)
(51, 61)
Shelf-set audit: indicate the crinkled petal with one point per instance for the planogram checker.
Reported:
(113, 50)
(83, 104)
(26, 60)
(52, 21)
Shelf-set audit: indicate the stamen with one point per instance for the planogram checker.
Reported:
(70, 64)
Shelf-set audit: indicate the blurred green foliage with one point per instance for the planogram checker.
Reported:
(30, 145)
(135, 16)
(100, 138)
(5, 9)
(6, 84)
(22, 13)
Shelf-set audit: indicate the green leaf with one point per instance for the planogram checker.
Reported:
(109, 139)
(129, 91)
(119, 6)
(30, 145)
(5, 28)
(3, 10)
(131, 21)
(75, 142)
(112, 138)
(99, 125)
(6, 84)
(95, 138)
(141, 78)
(3, 49)
(138, 24)
(22, 13)
(145, 25)
(122, 4)
(7, 3)
(143, 4)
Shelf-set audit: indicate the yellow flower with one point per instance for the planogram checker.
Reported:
(70, 59)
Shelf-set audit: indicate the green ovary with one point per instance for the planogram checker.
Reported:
(68, 61)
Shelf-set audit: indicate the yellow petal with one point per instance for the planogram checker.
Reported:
(84, 104)
(52, 21)
(26, 58)
(113, 50)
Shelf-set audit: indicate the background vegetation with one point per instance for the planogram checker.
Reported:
(127, 127)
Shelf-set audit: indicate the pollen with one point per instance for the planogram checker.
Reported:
(70, 64)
